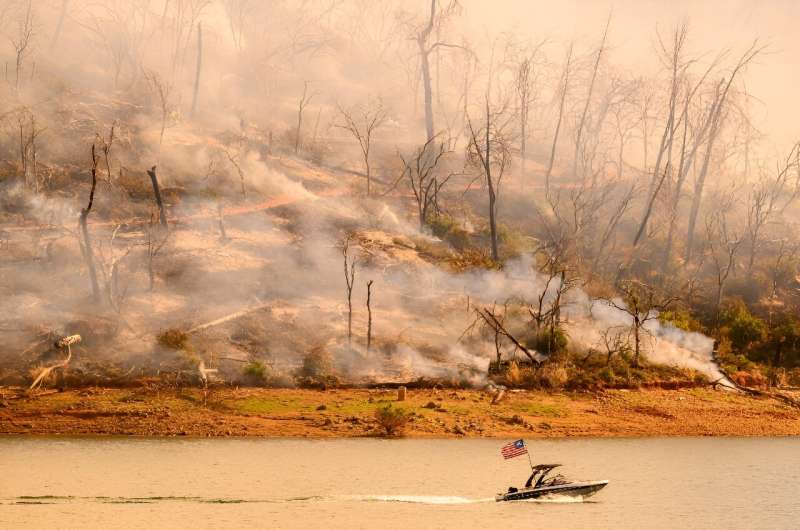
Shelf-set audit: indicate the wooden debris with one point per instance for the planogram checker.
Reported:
(64, 342)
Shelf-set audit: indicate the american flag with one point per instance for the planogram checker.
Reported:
(510, 450)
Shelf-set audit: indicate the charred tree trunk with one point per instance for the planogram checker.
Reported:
(491, 187)
(88, 254)
(222, 235)
(582, 122)
(349, 278)
(549, 171)
(198, 70)
(369, 316)
(424, 53)
(636, 340)
(162, 215)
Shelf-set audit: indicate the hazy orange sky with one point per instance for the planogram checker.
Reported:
(714, 25)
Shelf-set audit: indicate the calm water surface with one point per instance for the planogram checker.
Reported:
(180, 483)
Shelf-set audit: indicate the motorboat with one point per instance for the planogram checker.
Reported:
(542, 484)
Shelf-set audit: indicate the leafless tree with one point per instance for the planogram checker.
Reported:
(546, 314)
(105, 147)
(562, 95)
(157, 238)
(234, 158)
(426, 47)
(642, 303)
(723, 245)
(582, 122)
(489, 149)
(421, 173)
(162, 91)
(369, 315)
(162, 213)
(616, 340)
(305, 99)
(677, 65)
(29, 132)
(60, 24)
(115, 295)
(496, 323)
(238, 11)
(715, 125)
(198, 68)
(349, 279)
(362, 122)
(86, 246)
(769, 197)
(526, 87)
(22, 42)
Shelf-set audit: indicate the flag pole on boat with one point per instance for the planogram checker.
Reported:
(529, 456)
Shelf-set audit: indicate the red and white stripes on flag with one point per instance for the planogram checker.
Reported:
(513, 449)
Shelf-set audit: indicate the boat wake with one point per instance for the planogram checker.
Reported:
(413, 499)
(417, 499)
(439, 500)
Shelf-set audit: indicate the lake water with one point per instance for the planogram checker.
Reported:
(369, 483)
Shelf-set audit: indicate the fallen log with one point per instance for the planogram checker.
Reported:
(227, 318)
(64, 342)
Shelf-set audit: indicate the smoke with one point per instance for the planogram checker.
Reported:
(283, 218)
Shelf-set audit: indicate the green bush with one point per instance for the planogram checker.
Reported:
(448, 229)
(256, 370)
(743, 329)
(392, 420)
(546, 343)
(680, 319)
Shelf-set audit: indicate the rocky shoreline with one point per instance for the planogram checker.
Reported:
(431, 413)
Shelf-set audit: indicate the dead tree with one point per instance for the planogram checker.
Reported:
(769, 197)
(22, 42)
(29, 132)
(349, 278)
(86, 248)
(157, 237)
(582, 122)
(425, 47)
(420, 170)
(235, 163)
(362, 122)
(546, 314)
(110, 269)
(305, 99)
(65, 342)
(60, 24)
(162, 91)
(677, 67)
(687, 158)
(162, 214)
(525, 86)
(615, 341)
(223, 236)
(642, 304)
(198, 68)
(713, 133)
(369, 315)
(723, 245)
(562, 101)
(105, 146)
(489, 148)
(495, 323)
